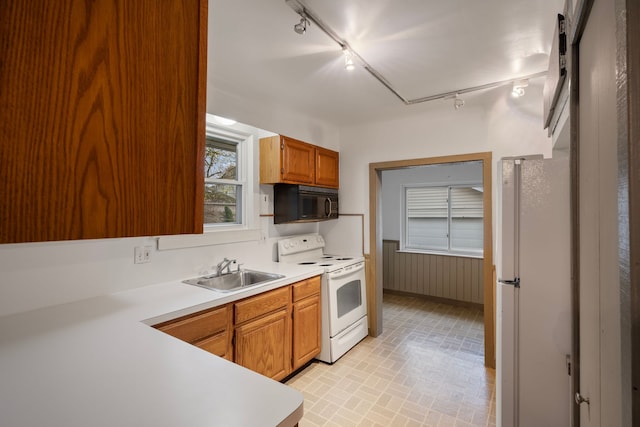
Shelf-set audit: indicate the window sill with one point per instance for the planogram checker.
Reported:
(452, 254)
(208, 238)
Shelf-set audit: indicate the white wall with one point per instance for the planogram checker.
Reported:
(34, 275)
(40, 274)
(393, 181)
(490, 121)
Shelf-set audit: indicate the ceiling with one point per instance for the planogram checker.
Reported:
(421, 47)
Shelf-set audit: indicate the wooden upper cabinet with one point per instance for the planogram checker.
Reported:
(287, 160)
(297, 161)
(103, 109)
(327, 168)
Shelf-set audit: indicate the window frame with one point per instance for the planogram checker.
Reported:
(241, 167)
(404, 218)
(224, 233)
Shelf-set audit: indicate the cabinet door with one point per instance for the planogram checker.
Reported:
(298, 162)
(197, 326)
(306, 330)
(102, 107)
(216, 344)
(327, 168)
(264, 345)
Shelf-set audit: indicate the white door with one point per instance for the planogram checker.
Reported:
(598, 223)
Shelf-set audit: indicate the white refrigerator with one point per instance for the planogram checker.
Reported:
(533, 296)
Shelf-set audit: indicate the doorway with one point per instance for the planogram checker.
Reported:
(374, 282)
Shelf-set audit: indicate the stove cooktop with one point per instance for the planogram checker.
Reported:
(330, 261)
(309, 250)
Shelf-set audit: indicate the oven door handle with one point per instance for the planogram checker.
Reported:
(346, 271)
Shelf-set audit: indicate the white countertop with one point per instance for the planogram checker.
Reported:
(97, 363)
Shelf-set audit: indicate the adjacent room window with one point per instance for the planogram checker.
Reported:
(223, 190)
(444, 219)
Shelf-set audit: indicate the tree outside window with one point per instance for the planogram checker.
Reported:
(222, 189)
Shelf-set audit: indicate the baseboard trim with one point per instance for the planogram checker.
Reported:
(435, 299)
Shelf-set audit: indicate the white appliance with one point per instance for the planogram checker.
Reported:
(343, 296)
(533, 293)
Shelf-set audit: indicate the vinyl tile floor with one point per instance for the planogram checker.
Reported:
(425, 369)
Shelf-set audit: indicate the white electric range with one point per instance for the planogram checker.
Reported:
(344, 298)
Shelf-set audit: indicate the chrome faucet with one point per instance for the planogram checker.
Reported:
(225, 263)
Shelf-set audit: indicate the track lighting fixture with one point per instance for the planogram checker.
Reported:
(518, 88)
(301, 27)
(458, 102)
(351, 56)
(348, 59)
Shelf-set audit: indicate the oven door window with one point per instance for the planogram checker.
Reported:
(349, 297)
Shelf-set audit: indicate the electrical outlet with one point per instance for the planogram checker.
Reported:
(264, 204)
(146, 253)
(141, 254)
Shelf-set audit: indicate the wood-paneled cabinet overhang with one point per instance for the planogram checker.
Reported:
(103, 109)
(290, 161)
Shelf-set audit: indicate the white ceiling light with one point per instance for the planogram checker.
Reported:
(301, 27)
(348, 59)
(518, 88)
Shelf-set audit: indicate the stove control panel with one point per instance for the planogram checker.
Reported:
(303, 243)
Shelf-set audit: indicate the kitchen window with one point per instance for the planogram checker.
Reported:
(223, 190)
(443, 219)
(230, 182)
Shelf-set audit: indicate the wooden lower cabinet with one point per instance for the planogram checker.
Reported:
(209, 330)
(306, 321)
(264, 345)
(273, 333)
(306, 330)
(217, 344)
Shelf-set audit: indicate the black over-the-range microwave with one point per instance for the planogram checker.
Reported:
(303, 203)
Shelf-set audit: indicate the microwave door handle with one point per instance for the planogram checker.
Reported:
(327, 207)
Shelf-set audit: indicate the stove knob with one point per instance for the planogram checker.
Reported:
(286, 245)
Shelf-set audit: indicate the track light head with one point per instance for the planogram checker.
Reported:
(349, 65)
(301, 27)
(458, 102)
(518, 88)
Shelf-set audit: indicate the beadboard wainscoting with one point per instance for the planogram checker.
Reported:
(442, 276)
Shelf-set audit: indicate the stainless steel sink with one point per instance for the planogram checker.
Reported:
(233, 281)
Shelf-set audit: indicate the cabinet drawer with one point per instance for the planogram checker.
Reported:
(195, 327)
(306, 288)
(261, 304)
(216, 344)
